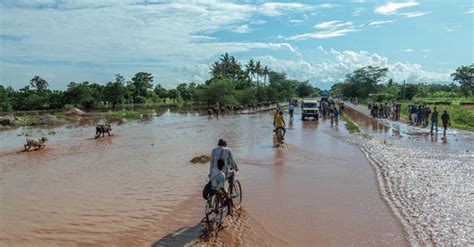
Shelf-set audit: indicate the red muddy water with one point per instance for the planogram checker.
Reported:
(138, 187)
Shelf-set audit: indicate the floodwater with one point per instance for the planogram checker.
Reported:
(138, 188)
(426, 179)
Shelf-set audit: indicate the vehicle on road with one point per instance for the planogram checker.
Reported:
(309, 108)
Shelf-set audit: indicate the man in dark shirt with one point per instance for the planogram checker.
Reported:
(434, 120)
(445, 119)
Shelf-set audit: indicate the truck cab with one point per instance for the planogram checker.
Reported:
(309, 108)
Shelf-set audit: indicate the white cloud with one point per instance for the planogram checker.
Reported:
(275, 9)
(377, 23)
(296, 21)
(323, 34)
(427, 50)
(407, 50)
(471, 11)
(242, 29)
(336, 64)
(329, 29)
(333, 25)
(99, 38)
(357, 11)
(392, 7)
(415, 14)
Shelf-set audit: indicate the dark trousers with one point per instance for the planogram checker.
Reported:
(434, 123)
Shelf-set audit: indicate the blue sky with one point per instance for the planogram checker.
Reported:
(319, 41)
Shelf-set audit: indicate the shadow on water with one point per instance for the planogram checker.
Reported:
(180, 237)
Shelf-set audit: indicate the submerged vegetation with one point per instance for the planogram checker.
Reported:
(350, 125)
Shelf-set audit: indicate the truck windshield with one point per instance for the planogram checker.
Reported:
(310, 105)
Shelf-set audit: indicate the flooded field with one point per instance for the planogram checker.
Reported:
(138, 188)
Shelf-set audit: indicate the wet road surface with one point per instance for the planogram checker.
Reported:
(138, 186)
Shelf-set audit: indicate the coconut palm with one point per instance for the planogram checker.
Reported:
(266, 71)
(258, 70)
(250, 69)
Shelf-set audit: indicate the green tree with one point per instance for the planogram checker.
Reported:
(465, 76)
(410, 91)
(258, 71)
(115, 92)
(304, 89)
(247, 96)
(250, 69)
(218, 91)
(40, 84)
(184, 92)
(82, 94)
(363, 81)
(173, 94)
(229, 67)
(5, 99)
(161, 91)
(142, 82)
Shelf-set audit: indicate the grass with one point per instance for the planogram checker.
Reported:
(29, 120)
(350, 126)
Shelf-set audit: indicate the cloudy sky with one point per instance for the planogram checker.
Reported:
(320, 41)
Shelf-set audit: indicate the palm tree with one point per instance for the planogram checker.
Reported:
(250, 68)
(266, 71)
(258, 70)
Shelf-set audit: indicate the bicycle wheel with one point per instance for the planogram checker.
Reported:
(215, 214)
(236, 194)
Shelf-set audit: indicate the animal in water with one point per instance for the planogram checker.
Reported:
(102, 129)
(37, 144)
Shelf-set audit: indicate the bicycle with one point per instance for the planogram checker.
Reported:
(216, 205)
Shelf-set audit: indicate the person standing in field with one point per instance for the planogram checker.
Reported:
(434, 120)
(446, 121)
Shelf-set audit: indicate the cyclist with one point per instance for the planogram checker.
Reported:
(224, 153)
(280, 124)
(218, 184)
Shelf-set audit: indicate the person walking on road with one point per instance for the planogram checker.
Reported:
(446, 121)
(434, 120)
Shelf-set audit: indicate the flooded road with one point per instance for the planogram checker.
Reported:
(426, 179)
(138, 187)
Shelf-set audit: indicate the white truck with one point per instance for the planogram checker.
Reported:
(309, 108)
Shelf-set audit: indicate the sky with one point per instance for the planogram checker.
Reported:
(176, 41)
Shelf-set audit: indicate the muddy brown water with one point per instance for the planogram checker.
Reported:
(138, 187)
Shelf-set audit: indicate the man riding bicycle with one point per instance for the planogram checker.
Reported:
(218, 155)
(218, 184)
(223, 152)
(280, 124)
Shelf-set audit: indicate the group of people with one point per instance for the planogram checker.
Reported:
(420, 114)
(385, 110)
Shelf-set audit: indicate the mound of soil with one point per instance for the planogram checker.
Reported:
(74, 111)
(201, 159)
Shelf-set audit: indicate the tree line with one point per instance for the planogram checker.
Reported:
(369, 81)
(230, 84)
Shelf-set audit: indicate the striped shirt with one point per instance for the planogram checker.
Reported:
(225, 154)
